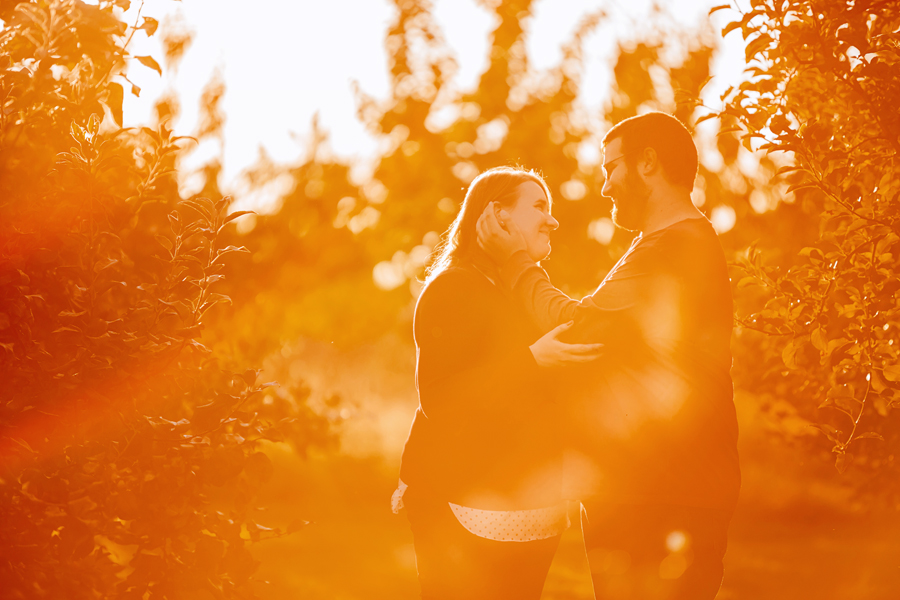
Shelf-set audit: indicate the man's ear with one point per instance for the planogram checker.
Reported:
(649, 162)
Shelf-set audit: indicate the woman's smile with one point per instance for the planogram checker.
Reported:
(531, 214)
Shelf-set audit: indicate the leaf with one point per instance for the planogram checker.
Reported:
(842, 462)
(878, 383)
(706, 117)
(800, 186)
(24, 444)
(135, 90)
(249, 376)
(153, 135)
(202, 208)
(114, 95)
(257, 531)
(211, 279)
(759, 44)
(869, 435)
(149, 25)
(789, 354)
(718, 8)
(149, 61)
(817, 337)
(730, 27)
(830, 432)
(296, 525)
(164, 242)
(812, 253)
(846, 404)
(237, 214)
(212, 300)
(104, 264)
(788, 169)
(891, 372)
(189, 332)
(228, 250)
(840, 391)
(837, 343)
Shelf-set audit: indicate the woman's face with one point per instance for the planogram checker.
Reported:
(531, 214)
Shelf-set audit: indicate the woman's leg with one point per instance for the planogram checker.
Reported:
(454, 564)
(514, 569)
(441, 551)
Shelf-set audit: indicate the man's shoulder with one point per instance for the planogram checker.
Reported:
(690, 236)
(697, 229)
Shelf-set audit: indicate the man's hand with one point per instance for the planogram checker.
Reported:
(500, 243)
(550, 352)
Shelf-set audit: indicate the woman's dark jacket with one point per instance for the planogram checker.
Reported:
(485, 433)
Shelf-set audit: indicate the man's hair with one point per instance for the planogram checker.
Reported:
(668, 136)
(494, 185)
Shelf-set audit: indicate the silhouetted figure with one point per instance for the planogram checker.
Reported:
(651, 424)
(481, 469)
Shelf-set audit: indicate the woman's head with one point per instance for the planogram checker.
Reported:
(521, 193)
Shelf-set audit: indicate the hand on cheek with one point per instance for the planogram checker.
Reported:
(498, 234)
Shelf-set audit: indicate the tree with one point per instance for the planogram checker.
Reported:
(130, 454)
(821, 86)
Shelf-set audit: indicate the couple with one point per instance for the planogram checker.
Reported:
(622, 400)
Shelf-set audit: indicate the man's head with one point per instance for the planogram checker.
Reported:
(641, 155)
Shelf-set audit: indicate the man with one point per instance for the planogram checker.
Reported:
(652, 423)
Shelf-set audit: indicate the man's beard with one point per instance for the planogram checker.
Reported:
(630, 207)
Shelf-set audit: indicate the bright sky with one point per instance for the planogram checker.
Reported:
(284, 60)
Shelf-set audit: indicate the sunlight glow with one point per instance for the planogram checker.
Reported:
(272, 92)
(602, 230)
(723, 218)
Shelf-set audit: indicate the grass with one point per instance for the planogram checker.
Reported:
(796, 534)
(356, 549)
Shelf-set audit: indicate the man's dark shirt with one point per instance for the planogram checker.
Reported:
(652, 420)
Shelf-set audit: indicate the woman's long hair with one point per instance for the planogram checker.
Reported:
(460, 243)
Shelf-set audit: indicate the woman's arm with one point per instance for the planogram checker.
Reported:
(547, 306)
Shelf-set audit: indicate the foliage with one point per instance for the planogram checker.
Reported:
(130, 455)
(821, 86)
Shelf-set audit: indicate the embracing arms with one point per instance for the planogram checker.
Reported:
(598, 318)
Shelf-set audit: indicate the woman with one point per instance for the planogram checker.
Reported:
(482, 462)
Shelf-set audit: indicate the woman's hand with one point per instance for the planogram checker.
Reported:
(550, 352)
(498, 234)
